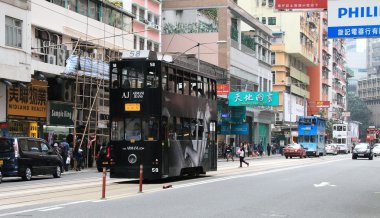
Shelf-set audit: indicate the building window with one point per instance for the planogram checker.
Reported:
(135, 42)
(271, 20)
(149, 45)
(141, 44)
(82, 7)
(93, 10)
(273, 77)
(134, 10)
(264, 20)
(156, 48)
(13, 32)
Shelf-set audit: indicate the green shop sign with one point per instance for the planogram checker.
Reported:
(61, 114)
(253, 99)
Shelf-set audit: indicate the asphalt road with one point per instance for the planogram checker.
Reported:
(313, 187)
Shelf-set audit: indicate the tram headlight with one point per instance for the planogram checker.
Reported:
(132, 158)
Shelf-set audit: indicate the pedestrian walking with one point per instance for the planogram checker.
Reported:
(229, 153)
(269, 150)
(241, 156)
(65, 154)
(260, 148)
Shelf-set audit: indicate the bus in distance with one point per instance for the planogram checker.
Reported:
(162, 116)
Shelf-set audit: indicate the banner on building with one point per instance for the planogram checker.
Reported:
(223, 89)
(253, 99)
(3, 103)
(319, 104)
(300, 4)
(28, 103)
(353, 19)
(60, 114)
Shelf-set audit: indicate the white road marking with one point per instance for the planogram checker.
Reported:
(43, 208)
(49, 209)
(322, 184)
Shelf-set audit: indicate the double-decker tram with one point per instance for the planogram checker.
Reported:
(311, 134)
(162, 116)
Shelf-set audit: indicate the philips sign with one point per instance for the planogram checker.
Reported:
(353, 19)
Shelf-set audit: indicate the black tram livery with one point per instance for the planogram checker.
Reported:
(162, 116)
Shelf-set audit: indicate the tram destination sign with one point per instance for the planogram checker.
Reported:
(253, 99)
(353, 18)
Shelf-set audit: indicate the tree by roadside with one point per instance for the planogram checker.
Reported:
(359, 112)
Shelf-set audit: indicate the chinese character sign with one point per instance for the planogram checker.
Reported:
(253, 99)
(353, 19)
(28, 102)
(300, 4)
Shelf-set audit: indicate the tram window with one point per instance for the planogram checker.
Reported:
(179, 82)
(133, 129)
(339, 128)
(343, 141)
(117, 131)
(313, 121)
(193, 85)
(171, 83)
(206, 87)
(344, 128)
(307, 138)
(140, 80)
(213, 90)
(115, 80)
(124, 78)
(150, 129)
(186, 84)
(171, 129)
(164, 78)
(186, 129)
(312, 138)
(200, 87)
(335, 128)
(152, 79)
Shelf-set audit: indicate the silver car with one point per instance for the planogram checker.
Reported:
(376, 149)
(332, 149)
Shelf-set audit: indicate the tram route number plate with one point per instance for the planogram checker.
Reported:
(154, 170)
(132, 107)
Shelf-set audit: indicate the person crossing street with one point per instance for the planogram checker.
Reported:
(241, 156)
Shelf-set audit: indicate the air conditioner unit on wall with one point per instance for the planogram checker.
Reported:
(67, 91)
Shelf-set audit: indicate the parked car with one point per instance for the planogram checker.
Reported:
(26, 157)
(342, 148)
(332, 149)
(362, 150)
(376, 150)
(294, 150)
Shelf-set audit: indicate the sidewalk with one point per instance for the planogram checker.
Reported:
(236, 158)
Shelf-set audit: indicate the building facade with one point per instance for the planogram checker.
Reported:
(224, 34)
(295, 48)
(147, 23)
(15, 63)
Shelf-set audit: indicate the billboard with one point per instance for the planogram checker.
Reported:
(353, 19)
(300, 4)
(222, 89)
(28, 103)
(253, 99)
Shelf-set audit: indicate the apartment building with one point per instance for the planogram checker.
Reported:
(15, 58)
(147, 25)
(224, 34)
(294, 49)
(369, 87)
